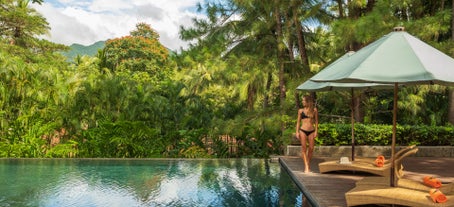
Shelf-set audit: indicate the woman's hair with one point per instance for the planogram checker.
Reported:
(310, 105)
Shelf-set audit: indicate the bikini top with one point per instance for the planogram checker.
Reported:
(304, 116)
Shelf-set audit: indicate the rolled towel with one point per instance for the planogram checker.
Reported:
(381, 157)
(379, 162)
(437, 196)
(432, 182)
(344, 160)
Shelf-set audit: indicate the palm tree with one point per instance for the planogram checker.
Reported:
(259, 31)
(21, 23)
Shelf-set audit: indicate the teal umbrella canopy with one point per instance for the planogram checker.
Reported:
(332, 86)
(313, 86)
(397, 57)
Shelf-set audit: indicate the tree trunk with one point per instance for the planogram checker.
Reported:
(301, 43)
(297, 100)
(290, 38)
(451, 106)
(359, 113)
(267, 88)
(250, 97)
(280, 54)
(370, 5)
(296, 95)
(341, 9)
(280, 60)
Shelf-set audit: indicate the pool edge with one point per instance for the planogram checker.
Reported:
(312, 200)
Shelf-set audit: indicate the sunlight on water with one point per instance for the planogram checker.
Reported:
(149, 182)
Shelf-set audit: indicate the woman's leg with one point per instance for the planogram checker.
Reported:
(303, 139)
(311, 138)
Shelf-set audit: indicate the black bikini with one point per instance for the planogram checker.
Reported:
(307, 132)
(304, 116)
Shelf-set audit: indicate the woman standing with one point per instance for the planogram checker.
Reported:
(307, 129)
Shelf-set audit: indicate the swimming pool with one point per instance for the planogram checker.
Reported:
(146, 182)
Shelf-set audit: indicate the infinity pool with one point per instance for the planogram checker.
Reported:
(146, 182)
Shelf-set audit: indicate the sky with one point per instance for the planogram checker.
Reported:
(88, 21)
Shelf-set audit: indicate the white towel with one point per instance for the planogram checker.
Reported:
(344, 160)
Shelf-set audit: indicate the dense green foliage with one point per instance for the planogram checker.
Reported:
(375, 134)
(230, 94)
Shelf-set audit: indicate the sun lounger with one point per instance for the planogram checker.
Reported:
(373, 194)
(367, 166)
(377, 190)
(446, 188)
(398, 154)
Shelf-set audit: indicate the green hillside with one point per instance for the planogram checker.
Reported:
(78, 49)
(91, 50)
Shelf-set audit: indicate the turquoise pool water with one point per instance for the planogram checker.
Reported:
(145, 182)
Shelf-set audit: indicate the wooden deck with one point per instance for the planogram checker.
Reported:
(327, 190)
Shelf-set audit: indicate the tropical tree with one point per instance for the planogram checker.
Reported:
(20, 24)
(139, 52)
(255, 30)
(263, 54)
(31, 68)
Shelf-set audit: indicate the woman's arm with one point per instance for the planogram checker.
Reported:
(316, 121)
(298, 122)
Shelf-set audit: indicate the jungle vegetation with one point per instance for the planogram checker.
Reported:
(231, 93)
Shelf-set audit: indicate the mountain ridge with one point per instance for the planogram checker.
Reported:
(76, 49)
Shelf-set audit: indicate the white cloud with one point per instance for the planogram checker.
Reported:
(88, 21)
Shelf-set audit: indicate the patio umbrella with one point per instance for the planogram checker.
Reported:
(330, 86)
(396, 58)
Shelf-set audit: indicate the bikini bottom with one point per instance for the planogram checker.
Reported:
(307, 132)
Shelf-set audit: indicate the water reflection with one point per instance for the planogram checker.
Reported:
(154, 182)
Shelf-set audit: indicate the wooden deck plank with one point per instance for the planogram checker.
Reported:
(328, 190)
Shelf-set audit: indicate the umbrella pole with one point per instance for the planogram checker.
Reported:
(352, 106)
(393, 143)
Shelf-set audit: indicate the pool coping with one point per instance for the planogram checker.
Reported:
(312, 200)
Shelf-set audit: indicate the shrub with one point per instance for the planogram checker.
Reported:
(374, 134)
